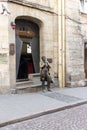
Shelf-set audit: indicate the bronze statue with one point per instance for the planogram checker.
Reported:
(44, 73)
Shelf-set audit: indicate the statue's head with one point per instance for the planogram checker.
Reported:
(44, 58)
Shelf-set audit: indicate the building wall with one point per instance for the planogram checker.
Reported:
(47, 15)
(4, 54)
(74, 49)
(83, 18)
(45, 19)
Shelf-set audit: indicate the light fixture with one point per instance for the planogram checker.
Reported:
(13, 25)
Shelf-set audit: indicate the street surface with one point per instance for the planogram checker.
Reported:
(69, 119)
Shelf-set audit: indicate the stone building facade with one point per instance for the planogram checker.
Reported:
(76, 36)
(54, 28)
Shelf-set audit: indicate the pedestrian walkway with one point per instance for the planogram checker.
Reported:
(19, 107)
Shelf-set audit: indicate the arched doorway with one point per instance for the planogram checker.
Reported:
(27, 48)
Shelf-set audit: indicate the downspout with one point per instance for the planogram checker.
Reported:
(64, 43)
(61, 43)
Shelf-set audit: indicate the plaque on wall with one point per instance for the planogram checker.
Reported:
(49, 60)
(12, 49)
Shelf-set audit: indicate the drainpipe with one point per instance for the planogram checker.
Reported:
(61, 43)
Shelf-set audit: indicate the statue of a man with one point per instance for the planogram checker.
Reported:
(44, 73)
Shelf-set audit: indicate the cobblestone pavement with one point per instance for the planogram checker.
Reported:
(70, 119)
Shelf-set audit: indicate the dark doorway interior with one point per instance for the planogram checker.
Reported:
(26, 65)
(27, 49)
(85, 61)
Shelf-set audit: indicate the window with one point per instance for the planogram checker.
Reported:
(83, 6)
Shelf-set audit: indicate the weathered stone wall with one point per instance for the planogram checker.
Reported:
(45, 15)
(4, 54)
(55, 38)
(74, 49)
(36, 3)
(45, 19)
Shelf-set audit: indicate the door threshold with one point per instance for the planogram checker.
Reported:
(22, 80)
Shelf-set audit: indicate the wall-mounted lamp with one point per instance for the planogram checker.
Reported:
(13, 25)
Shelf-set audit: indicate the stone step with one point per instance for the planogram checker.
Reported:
(34, 76)
(32, 85)
(28, 88)
(24, 83)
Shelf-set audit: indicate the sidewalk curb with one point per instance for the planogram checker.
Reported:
(43, 113)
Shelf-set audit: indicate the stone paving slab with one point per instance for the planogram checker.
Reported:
(62, 97)
(18, 107)
(79, 92)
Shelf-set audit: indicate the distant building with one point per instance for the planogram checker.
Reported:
(30, 29)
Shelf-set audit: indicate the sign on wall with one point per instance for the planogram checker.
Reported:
(3, 58)
(12, 49)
